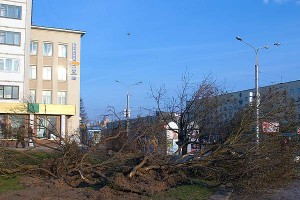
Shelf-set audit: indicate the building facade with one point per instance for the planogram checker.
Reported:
(39, 75)
(15, 22)
(54, 78)
(15, 26)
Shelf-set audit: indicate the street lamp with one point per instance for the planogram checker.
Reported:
(257, 95)
(127, 109)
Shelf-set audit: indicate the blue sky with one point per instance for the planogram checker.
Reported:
(170, 37)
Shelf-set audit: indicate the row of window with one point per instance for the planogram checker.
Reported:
(48, 49)
(14, 38)
(9, 92)
(9, 37)
(10, 11)
(47, 97)
(9, 65)
(12, 92)
(47, 73)
(13, 65)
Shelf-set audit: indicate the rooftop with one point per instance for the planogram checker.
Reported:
(58, 29)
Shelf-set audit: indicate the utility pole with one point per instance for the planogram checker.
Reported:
(257, 95)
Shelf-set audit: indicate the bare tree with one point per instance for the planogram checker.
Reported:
(194, 109)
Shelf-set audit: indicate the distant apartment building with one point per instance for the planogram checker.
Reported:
(243, 98)
(39, 74)
(236, 101)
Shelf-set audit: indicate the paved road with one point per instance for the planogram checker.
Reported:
(291, 192)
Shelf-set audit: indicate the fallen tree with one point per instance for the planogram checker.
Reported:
(137, 162)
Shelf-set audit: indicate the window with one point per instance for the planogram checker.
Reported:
(241, 102)
(9, 65)
(11, 38)
(48, 49)
(10, 11)
(32, 72)
(46, 97)
(33, 48)
(46, 73)
(62, 74)
(32, 96)
(61, 97)
(9, 92)
(62, 50)
(47, 126)
(2, 64)
(15, 65)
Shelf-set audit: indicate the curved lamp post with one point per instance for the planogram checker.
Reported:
(127, 109)
(257, 95)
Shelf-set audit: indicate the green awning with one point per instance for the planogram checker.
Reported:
(33, 108)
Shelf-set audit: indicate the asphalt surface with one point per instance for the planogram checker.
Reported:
(290, 192)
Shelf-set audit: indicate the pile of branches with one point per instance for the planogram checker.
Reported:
(134, 159)
(129, 163)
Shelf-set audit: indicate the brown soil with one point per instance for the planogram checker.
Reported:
(38, 189)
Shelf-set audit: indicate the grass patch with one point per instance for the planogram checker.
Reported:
(184, 192)
(31, 158)
(10, 183)
(39, 155)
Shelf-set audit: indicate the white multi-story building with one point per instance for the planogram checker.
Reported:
(15, 26)
(243, 98)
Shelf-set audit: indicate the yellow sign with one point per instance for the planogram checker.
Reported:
(74, 63)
